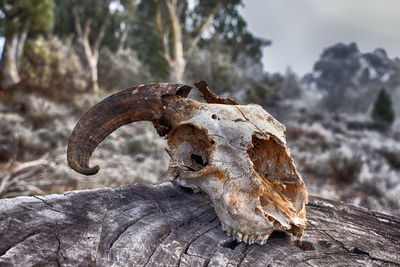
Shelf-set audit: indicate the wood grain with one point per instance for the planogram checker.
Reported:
(165, 225)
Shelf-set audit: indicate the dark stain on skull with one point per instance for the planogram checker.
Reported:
(198, 159)
(192, 146)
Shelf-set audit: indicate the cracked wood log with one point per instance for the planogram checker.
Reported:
(165, 225)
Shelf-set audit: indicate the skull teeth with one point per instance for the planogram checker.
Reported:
(246, 238)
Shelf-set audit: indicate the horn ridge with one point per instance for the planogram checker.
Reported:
(140, 103)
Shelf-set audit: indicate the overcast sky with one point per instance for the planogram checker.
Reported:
(301, 29)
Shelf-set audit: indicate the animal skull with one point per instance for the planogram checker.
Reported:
(236, 154)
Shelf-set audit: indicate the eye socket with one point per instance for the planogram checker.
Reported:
(198, 159)
(190, 147)
(274, 165)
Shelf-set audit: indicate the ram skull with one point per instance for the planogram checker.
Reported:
(234, 153)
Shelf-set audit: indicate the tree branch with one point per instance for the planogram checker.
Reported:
(164, 33)
(123, 38)
(175, 27)
(203, 27)
(13, 176)
(86, 31)
(77, 22)
(166, 53)
(102, 30)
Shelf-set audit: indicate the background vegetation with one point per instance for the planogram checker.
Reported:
(60, 57)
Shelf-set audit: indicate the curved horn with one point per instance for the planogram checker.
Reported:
(141, 103)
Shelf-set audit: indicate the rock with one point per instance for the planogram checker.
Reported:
(166, 225)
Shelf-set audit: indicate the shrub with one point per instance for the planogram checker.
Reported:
(263, 92)
(383, 108)
(8, 141)
(391, 157)
(51, 68)
(121, 70)
(345, 169)
(216, 68)
(227, 76)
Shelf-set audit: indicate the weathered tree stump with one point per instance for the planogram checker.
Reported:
(166, 225)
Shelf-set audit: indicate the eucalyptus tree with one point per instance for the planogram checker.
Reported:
(87, 21)
(168, 31)
(18, 18)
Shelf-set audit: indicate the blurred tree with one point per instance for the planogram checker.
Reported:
(122, 19)
(17, 19)
(87, 20)
(52, 68)
(169, 18)
(290, 88)
(347, 77)
(173, 29)
(383, 107)
(231, 27)
(125, 19)
(266, 91)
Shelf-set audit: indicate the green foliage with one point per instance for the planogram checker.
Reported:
(90, 12)
(120, 19)
(225, 75)
(131, 28)
(265, 91)
(31, 15)
(146, 42)
(231, 26)
(383, 108)
(230, 34)
(259, 93)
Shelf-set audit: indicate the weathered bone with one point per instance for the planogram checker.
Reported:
(237, 155)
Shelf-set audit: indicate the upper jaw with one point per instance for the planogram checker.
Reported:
(260, 238)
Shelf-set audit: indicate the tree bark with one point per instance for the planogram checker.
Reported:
(9, 69)
(91, 52)
(11, 54)
(92, 60)
(20, 46)
(165, 225)
(203, 27)
(122, 40)
(179, 63)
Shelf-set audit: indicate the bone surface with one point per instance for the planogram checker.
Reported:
(236, 154)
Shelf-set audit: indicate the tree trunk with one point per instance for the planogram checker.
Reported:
(178, 64)
(122, 40)
(175, 56)
(177, 70)
(92, 60)
(20, 46)
(165, 225)
(94, 75)
(9, 69)
(91, 52)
